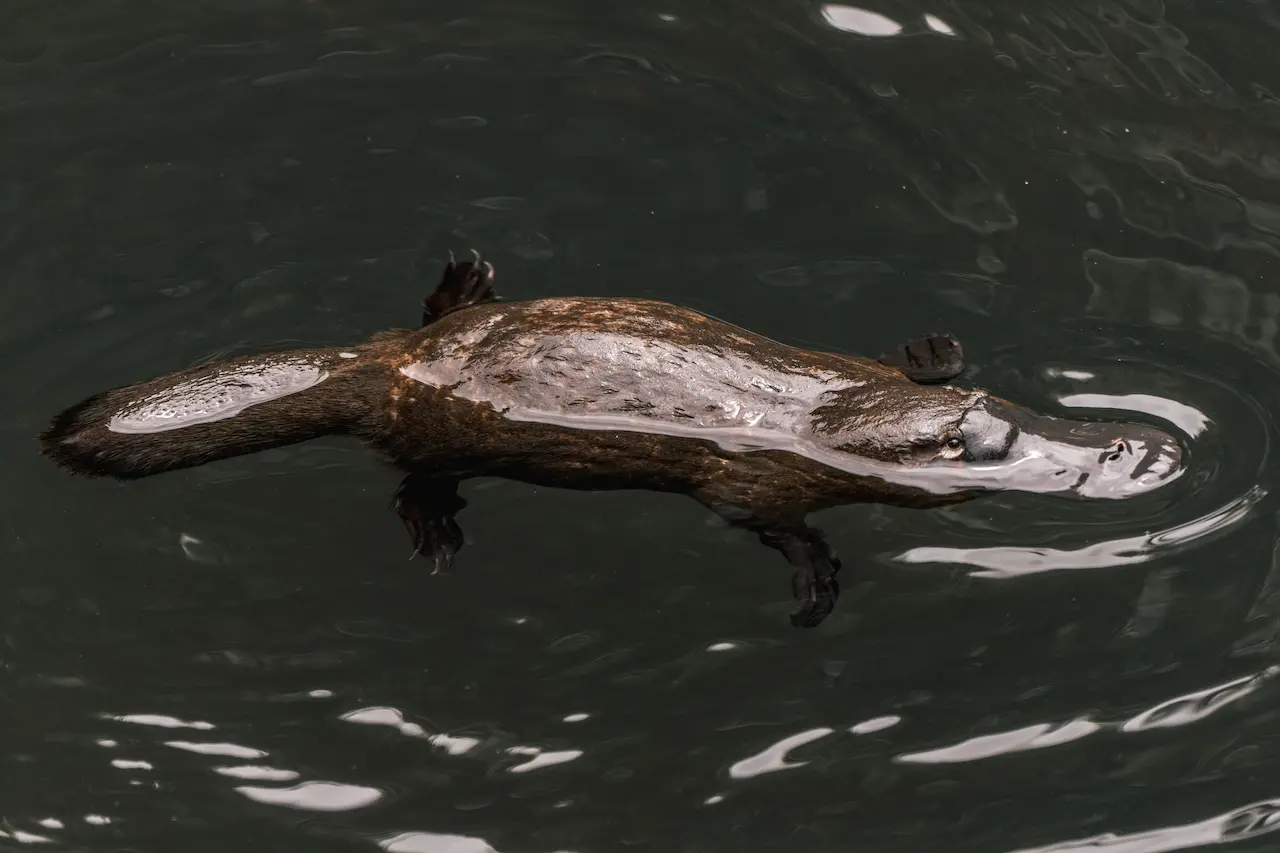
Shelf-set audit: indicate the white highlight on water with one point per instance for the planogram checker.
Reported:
(1248, 821)
(435, 842)
(314, 796)
(1036, 736)
(392, 717)
(538, 758)
(1190, 420)
(853, 19)
(258, 772)
(875, 724)
(25, 837)
(1069, 373)
(217, 396)
(1181, 710)
(1007, 561)
(1193, 707)
(231, 750)
(774, 758)
(160, 720)
(938, 25)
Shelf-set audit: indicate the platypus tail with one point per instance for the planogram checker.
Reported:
(214, 411)
(246, 404)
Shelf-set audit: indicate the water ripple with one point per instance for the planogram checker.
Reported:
(392, 717)
(774, 757)
(1178, 711)
(1189, 419)
(434, 842)
(1003, 743)
(1008, 561)
(163, 721)
(1251, 821)
(1193, 707)
(853, 19)
(314, 796)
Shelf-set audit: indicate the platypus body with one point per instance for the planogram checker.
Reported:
(600, 393)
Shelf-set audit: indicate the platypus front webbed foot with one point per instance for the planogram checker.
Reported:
(814, 565)
(427, 506)
(464, 284)
(933, 358)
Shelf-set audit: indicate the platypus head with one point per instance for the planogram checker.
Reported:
(946, 439)
(1087, 459)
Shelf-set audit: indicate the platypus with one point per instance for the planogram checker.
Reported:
(621, 393)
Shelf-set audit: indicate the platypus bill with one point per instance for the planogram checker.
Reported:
(601, 393)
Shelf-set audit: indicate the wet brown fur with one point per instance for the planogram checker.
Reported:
(441, 438)
(422, 428)
(433, 429)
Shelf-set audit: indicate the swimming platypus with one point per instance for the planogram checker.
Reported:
(619, 393)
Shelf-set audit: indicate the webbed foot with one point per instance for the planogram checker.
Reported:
(427, 506)
(932, 358)
(814, 565)
(463, 284)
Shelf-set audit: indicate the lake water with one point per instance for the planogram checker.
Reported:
(1086, 194)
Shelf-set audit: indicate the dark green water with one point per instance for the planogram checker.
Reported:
(243, 657)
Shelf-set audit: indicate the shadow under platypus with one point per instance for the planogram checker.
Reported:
(615, 393)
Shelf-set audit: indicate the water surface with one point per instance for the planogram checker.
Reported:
(1086, 194)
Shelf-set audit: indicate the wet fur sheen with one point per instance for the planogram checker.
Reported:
(481, 363)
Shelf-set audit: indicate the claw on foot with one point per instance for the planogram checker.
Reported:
(462, 285)
(814, 566)
(817, 590)
(427, 508)
(814, 611)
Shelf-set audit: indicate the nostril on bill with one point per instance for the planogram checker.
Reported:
(1117, 452)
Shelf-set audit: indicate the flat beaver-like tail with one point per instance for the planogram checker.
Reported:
(214, 411)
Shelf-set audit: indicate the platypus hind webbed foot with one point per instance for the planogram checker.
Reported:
(932, 358)
(463, 285)
(427, 507)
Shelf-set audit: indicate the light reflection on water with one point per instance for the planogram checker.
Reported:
(774, 758)
(1186, 418)
(1008, 561)
(1251, 821)
(314, 796)
(1084, 194)
(433, 842)
(1177, 711)
(331, 796)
